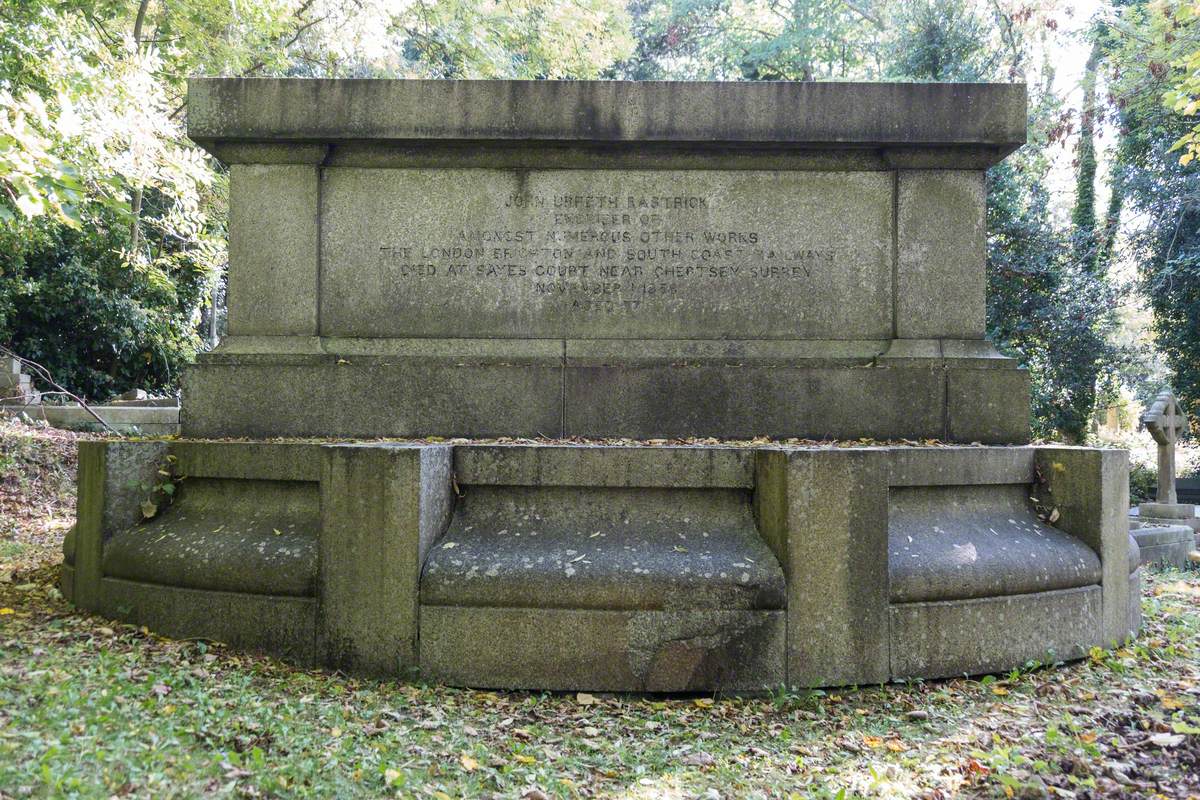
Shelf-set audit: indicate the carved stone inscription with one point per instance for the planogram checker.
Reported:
(605, 254)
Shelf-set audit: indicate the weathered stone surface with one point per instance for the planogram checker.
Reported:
(583, 547)
(273, 250)
(281, 626)
(573, 465)
(111, 481)
(744, 402)
(367, 397)
(257, 537)
(965, 466)
(850, 114)
(824, 512)
(940, 235)
(1180, 511)
(638, 245)
(994, 634)
(1089, 488)
(960, 542)
(382, 506)
(238, 394)
(264, 461)
(607, 254)
(990, 406)
(603, 650)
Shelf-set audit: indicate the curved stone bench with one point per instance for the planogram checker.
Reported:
(615, 567)
(229, 536)
(961, 543)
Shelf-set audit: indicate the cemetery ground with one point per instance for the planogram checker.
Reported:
(93, 708)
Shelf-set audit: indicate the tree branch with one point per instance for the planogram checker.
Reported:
(43, 375)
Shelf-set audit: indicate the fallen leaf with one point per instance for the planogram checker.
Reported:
(148, 509)
(585, 699)
(1172, 703)
(468, 763)
(1166, 739)
(6, 611)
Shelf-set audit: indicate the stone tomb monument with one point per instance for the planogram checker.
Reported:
(438, 263)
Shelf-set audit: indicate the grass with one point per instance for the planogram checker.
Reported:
(93, 708)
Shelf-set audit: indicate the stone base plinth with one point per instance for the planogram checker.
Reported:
(597, 567)
(261, 387)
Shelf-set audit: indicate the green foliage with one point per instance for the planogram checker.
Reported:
(68, 298)
(1183, 96)
(1043, 309)
(1164, 194)
(113, 222)
(941, 40)
(1143, 483)
(752, 39)
(517, 39)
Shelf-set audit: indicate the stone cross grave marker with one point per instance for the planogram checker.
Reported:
(1166, 423)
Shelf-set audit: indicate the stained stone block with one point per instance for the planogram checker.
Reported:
(993, 634)
(273, 249)
(114, 479)
(382, 506)
(1089, 488)
(604, 650)
(940, 233)
(824, 513)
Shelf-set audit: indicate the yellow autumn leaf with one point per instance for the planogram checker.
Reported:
(1087, 738)
(703, 702)
(872, 741)
(999, 691)
(1172, 703)
(468, 763)
(895, 745)
(523, 759)
(6, 612)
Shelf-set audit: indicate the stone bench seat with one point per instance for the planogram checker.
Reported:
(703, 554)
(213, 539)
(969, 544)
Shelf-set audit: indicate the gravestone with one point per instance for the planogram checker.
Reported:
(1166, 423)
(16, 387)
(519, 374)
(1165, 530)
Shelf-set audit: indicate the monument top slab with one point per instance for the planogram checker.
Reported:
(775, 114)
